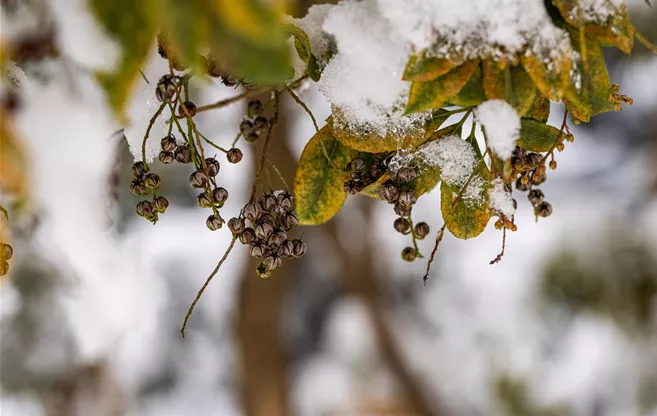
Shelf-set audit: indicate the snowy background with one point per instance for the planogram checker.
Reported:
(565, 324)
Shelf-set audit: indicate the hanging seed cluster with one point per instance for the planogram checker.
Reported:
(147, 183)
(361, 175)
(254, 124)
(6, 253)
(264, 226)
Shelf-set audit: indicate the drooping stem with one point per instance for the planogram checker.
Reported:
(645, 42)
(148, 129)
(439, 238)
(231, 100)
(4, 211)
(263, 157)
(559, 137)
(499, 256)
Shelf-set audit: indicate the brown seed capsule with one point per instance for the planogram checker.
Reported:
(166, 88)
(168, 144)
(544, 209)
(161, 204)
(538, 178)
(535, 196)
(409, 254)
(376, 171)
(213, 166)
(519, 152)
(257, 250)
(533, 159)
(266, 218)
(260, 123)
(499, 224)
(166, 157)
(139, 169)
(190, 107)
(153, 180)
(299, 248)
(553, 164)
(183, 154)
(356, 165)
(560, 147)
(350, 187)
(522, 187)
(145, 208)
(519, 164)
(268, 202)
(289, 244)
(275, 240)
(407, 198)
(247, 236)
(421, 230)
(6, 251)
(401, 210)
(245, 127)
(236, 225)
(254, 108)
(204, 200)
(402, 225)
(289, 221)
(272, 262)
(199, 179)
(356, 176)
(229, 80)
(252, 211)
(263, 231)
(284, 249)
(389, 193)
(252, 137)
(234, 155)
(285, 200)
(263, 272)
(214, 223)
(219, 195)
(570, 138)
(406, 174)
(138, 187)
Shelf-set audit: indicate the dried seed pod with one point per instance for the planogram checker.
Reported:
(262, 271)
(229, 80)
(356, 165)
(533, 159)
(213, 166)
(350, 187)
(406, 174)
(561, 146)
(521, 186)
(161, 204)
(421, 230)
(166, 88)
(570, 138)
(544, 209)
(153, 180)
(268, 202)
(257, 250)
(260, 123)
(519, 152)
(299, 248)
(272, 262)
(285, 200)
(247, 236)
(166, 157)
(6, 251)
(145, 209)
(204, 200)
(407, 198)
(199, 179)
(519, 164)
(245, 127)
(535, 196)
(183, 154)
(252, 137)
(376, 171)
(538, 178)
(263, 231)
(402, 210)
(214, 222)
(389, 193)
(402, 225)
(189, 106)
(553, 164)
(275, 239)
(252, 211)
(219, 195)
(284, 250)
(289, 221)
(254, 108)
(236, 225)
(409, 254)
(499, 224)
(356, 176)
(266, 218)
(139, 169)
(138, 187)
(234, 155)
(168, 144)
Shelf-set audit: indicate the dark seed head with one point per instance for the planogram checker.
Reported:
(544, 209)
(260, 123)
(389, 193)
(356, 165)
(272, 262)
(533, 159)
(535, 196)
(402, 210)
(199, 179)
(236, 225)
(161, 204)
(522, 187)
(263, 231)
(139, 169)
(204, 200)
(138, 187)
(245, 127)
(350, 187)
(166, 157)
(183, 154)
(538, 178)
(153, 180)
(276, 239)
(168, 144)
(407, 198)
(252, 211)
(289, 244)
(219, 195)
(213, 166)
(285, 200)
(268, 202)
(402, 225)
(406, 174)
(257, 250)
(213, 222)
(166, 88)
(376, 171)
(409, 254)
(252, 137)
(266, 218)
(262, 271)
(247, 236)
(189, 106)
(299, 248)
(285, 249)
(289, 221)
(421, 230)
(145, 208)
(6, 251)
(519, 164)
(234, 155)
(254, 108)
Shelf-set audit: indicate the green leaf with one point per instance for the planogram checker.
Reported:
(540, 109)
(466, 218)
(551, 77)
(472, 93)
(520, 92)
(371, 142)
(423, 68)
(319, 186)
(435, 93)
(301, 41)
(536, 136)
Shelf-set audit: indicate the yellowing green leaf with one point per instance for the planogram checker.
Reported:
(536, 136)
(301, 41)
(318, 185)
(520, 91)
(539, 110)
(423, 68)
(551, 78)
(472, 93)
(435, 93)
(465, 218)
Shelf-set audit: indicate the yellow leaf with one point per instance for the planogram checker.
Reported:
(423, 68)
(550, 76)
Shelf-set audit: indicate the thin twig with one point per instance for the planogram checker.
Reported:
(144, 76)
(148, 130)
(499, 256)
(266, 146)
(4, 211)
(645, 42)
(278, 173)
(231, 100)
(439, 238)
(414, 237)
(205, 285)
(559, 136)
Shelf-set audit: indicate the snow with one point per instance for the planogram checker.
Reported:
(596, 11)
(500, 199)
(312, 23)
(502, 125)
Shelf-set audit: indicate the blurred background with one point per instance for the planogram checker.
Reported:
(565, 324)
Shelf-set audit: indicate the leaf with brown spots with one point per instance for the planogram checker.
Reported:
(540, 109)
(551, 78)
(466, 218)
(420, 67)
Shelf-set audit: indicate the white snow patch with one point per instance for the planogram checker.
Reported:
(312, 23)
(500, 199)
(502, 126)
